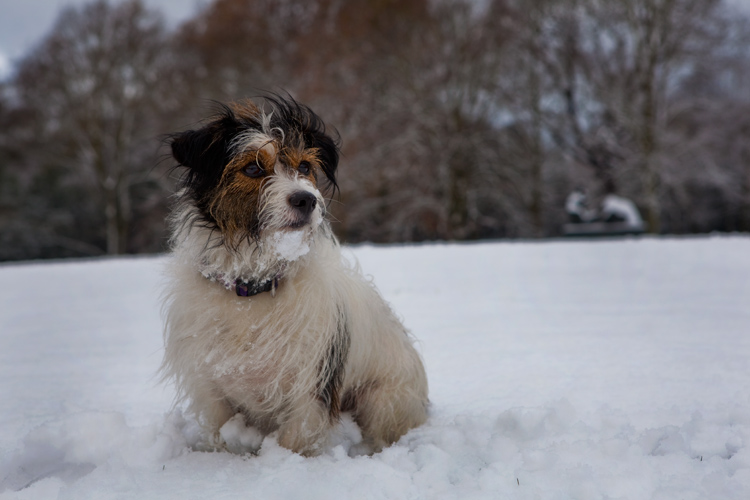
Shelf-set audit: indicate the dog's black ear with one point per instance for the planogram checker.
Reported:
(193, 148)
(205, 152)
(328, 153)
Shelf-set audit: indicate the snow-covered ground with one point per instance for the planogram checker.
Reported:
(558, 370)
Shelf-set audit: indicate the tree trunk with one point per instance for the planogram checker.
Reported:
(112, 214)
(537, 158)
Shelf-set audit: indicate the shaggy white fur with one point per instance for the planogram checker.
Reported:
(325, 342)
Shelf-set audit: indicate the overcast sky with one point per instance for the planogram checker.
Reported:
(23, 23)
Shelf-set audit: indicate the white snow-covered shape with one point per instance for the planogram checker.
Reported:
(623, 208)
(290, 245)
(575, 204)
(240, 438)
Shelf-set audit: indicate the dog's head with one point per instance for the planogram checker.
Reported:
(252, 171)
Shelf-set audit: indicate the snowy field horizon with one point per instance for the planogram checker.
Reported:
(576, 369)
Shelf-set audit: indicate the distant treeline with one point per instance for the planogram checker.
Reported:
(459, 119)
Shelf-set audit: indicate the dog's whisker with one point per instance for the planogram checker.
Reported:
(331, 218)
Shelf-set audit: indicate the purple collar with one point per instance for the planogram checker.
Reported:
(250, 288)
(243, 287)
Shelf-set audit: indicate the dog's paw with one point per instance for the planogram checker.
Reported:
(239, 438)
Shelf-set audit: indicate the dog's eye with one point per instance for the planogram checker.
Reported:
(304, 168)
(253, 170)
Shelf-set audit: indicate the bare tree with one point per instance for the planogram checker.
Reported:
(95, 84)
(707, 173)
(623, 62)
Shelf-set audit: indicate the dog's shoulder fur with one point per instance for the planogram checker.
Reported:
(315, 337)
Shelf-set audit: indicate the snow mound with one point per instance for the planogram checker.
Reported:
(74, 446)
(240, 438)
(521, 452)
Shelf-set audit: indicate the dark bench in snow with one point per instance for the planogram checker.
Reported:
(601, 228)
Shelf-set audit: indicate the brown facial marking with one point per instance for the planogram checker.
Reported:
(235, 201)
(293, 157)
(262, 158)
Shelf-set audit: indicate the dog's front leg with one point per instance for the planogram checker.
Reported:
(214, 412)
(305, 431)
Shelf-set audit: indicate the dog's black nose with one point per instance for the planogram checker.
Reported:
(304, 201)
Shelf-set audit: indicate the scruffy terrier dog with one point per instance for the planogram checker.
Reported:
(264, 316)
